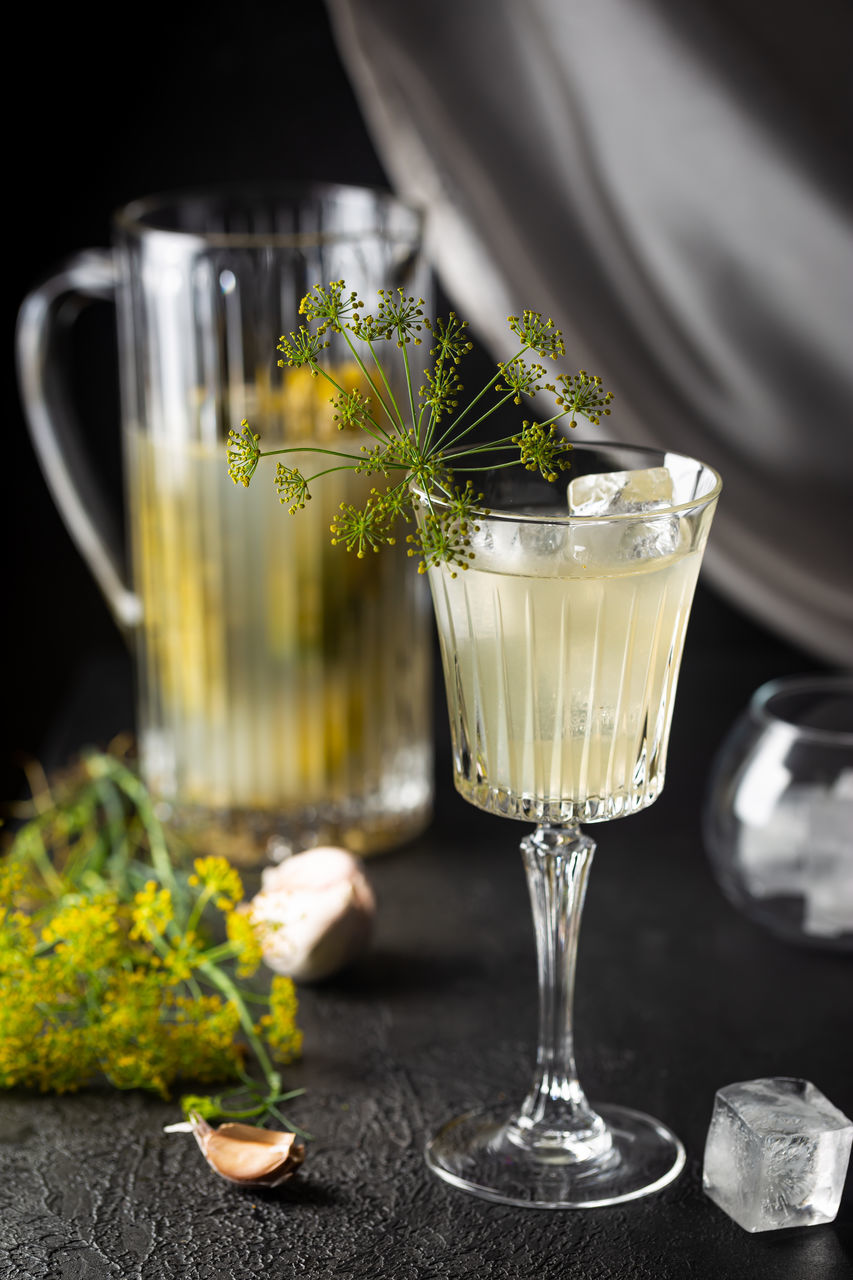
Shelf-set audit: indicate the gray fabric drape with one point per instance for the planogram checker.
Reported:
(671, 183)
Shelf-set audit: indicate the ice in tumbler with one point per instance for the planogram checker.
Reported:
(618, 492)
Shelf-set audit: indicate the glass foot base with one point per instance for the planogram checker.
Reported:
(474, 1152)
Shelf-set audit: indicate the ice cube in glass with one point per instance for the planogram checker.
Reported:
(649, 539)
(619, 492)
(776, 1154)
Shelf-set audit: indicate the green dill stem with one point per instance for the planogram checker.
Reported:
(283, 1119)
(87, 855)
(90, 878)
(428, 494)
(252, 1087)
(428, 433)
(448, 493)
(101, 766)
(487, 446)
(39, 855)
(329, 471)
(500, 446)
(229, 989)
(222, 951)
(470, 405)
(309, 448)
(400, 421)
(116, 829)
(498, 466)
(431, 425)
(457, 436)
(380, 433)
(159, 943)
(291, 1093)
(401, 484)
(244, 1113)
(195, 989)
(410, 389)
(265, 1107)
(374, 389)
(433, 420)
(41, 803)
(564, 413)
(198, 908)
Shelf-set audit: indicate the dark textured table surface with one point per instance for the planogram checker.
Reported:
(677, 996)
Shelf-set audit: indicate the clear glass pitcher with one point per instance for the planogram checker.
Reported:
(284, 686)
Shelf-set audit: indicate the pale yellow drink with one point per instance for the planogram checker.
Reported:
(562, 662)
(285, 684)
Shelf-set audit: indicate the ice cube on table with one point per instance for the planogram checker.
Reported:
(776, 1154)
(620, 492)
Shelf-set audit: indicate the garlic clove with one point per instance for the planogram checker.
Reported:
(246, 1155)
(314, 913)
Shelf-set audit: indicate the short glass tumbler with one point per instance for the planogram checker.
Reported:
(778, 816)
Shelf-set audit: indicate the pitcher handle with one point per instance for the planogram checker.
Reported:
(55, 432)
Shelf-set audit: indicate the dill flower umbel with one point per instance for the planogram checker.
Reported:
(420, 437)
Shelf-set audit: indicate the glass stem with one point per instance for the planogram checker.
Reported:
(556, 1121)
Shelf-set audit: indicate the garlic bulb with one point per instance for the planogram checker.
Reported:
(246, 1155)
(314, 913)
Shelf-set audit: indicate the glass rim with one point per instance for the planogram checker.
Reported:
(662, 512)
(132, 218)
(785, 686)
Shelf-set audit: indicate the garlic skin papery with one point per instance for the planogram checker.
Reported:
(314, 913)
(246, 1155)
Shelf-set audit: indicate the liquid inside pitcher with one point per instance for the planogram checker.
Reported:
(284, 686)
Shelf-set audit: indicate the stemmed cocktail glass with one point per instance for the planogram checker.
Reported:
(561, 646)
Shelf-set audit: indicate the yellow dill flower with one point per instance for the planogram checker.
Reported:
(86, 933)
(243, 935)
(152, 911)
(63, 1057)
(279, 1025)
(11, 879)
(102, 969)
(217, 876)
(18, 936)
(182, 958)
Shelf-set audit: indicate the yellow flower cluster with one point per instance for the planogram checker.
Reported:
(279, 1025)
(244, 937)
(152, 911)
(217, 877)
(111, 983)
